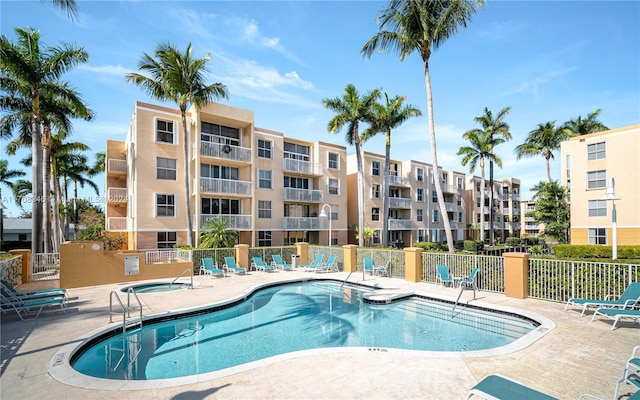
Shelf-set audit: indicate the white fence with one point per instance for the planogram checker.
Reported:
(45, 266)
(490, 269)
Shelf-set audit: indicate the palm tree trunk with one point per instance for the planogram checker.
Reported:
(434, 157)
(76, 216)
(187, 191)
(491, 231)
(36, 175)
(56, 211)
(360, 189)
(385, 200)
(548, 169)
(66, 201)
(46, 187)
(482, 201)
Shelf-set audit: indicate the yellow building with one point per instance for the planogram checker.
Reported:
(270, 188)
(588, 163)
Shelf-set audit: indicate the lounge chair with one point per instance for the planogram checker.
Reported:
(278, 263)
(442, 275)
(16, 299)
(45, 292)
(30, 308)
(372, 269)
(498, 387)
(315, 264)
(616, 314)
(631, 377)
(627, 299)
(260, 265)
(328, 266)
(231, 267)
(209, 268)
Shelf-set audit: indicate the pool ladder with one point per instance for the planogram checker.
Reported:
(131, 344)
(462, 287)
(180, 276)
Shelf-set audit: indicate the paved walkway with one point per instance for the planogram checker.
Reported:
(577, 356)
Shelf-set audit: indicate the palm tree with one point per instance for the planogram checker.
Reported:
(7, 175)
(216, 234)
(579, 126)
(420, 25)
(28, 71)
(480, 148)
(543, 141)
(178, 77)
(69, 6)
(494, 128)
(350, 110)
(386, 117)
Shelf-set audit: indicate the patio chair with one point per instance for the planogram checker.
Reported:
(30, 308)
(631, 377)
(278, 263)
(17, 299)
(328, 266)
(470, 280)
(260, 265)
(616, 314)
(442, 275)
(498, 387)
(372, 269)
(209, 268)
(627, 299)
(45, 292)
(315, 264)
(231, 267)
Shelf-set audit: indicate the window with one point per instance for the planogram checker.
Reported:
(165, 205)
(264, 209)
(434, 197)
(419, 194)
(477, 186)
(166, 168)
(376, 237)
(22, 237)
(264, 148)
(164, 131)
(296, 151)
(597, 179)
(219, 172)
(459, 201)
(459, 217)
(375, 168)
(333, 161)
(478, 218)
(420, 175)
(596, 151)
(166, 240)
(435, 235)
(296, 183)
(436, 216)
(215, 133)
(375, 214)
(597, 236)
(334, 186)
(375, 191)
(460, 184)
(420, 235)
(264, 238)
(597, 208)
(264, 179)
(419, 215)
(220, 206)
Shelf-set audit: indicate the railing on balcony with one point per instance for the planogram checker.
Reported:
(116, 195)
(496, 225)
(454, 225)
(303, 223)
(303, 195)
(516, 197)
(395, 180)
(302, 167)
(399, 202)
(234, 221)
(450, 206)
(115, 224)
(399, 224)
(226, 186)
(226, 151)
(449, 189)
(116, 165)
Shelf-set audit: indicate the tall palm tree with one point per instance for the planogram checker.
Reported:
(178, 77)
(480, 148)
(495, 128)
(409, 26)
(584, 126)
(8, 175)
(69, 6)
(351, 110)
(29, 70)
(543, 141)
(386, 117)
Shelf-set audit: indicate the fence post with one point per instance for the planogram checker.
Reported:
(350, 258)
(516, 275)
(242, 256)
(413, 264)
(302, 249)
(26, 263)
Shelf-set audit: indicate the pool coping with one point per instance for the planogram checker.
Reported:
(59, 365)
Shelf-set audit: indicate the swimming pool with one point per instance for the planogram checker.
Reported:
(288, 318)
(157, 287)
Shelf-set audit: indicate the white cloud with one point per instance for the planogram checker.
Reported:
(105, 69)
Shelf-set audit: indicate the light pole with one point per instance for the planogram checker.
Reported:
(322, 215)
(610, 194)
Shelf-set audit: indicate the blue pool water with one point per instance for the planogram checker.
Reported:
(156, 287)
(288, 318)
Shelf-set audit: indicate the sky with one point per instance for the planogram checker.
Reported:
(546, 60)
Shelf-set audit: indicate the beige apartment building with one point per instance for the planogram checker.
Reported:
(588, 165)
(528, 224)
(270, 188)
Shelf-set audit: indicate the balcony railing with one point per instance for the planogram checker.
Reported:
(398, 181)
(302, 167)
(116, 165)
(302, 223)
(116, 195)
(399, 224)
(303, 195)
(117, 224)
(226, 151)
(453, 207)
(225, 186)
(454, 225)
(234, 221)
(449, 189)
(515, 197)
(399, 202)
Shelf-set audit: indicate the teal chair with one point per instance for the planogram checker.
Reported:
(30, 308)
(498, 387)
(278, 263)
(231, 267)
(209, 268)
(260, 265)
(327, 266)
(371, 269)
(442, 275)
(627, 299)
(471, 280)
(315, 264)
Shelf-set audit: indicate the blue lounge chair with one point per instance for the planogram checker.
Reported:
(209, 268)
(442, 275)
(260, 265)
(30, 309)
(315, 264)
(327, 266)
(616, 314)
(498, 387)
(231, 267)
(372, 269)
(627, 299)
(15, 298)
(278, 263)
(46, 292)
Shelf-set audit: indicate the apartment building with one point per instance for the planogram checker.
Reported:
(270, 188)
(505, 207)
(589, 163)
(528, 225)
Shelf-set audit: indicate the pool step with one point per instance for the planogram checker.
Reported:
(385, 296)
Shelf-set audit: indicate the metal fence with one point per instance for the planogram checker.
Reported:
(217, 255)
(266, 253)
(490, 269)
(393, 260)
(328, 251)
(45, 266)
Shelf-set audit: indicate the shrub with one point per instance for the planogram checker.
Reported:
(431, 246)
(537, 250)
(513, 241)
(473, 245)
(530, 240)
(595, 251)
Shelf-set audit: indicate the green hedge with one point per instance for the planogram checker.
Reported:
(473, 245)
(595, 251)
(431, 246)
(513, 241)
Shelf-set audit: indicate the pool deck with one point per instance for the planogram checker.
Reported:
(577, 356)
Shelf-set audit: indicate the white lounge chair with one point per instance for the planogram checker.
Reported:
(278, 263)
(616, 314)
(627, 299)
(231, 267)
(498, 387)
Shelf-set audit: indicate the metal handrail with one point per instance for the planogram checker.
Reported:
(180, 276)
(125, 311)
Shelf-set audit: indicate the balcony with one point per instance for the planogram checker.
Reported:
(117, 195)
(225, 186)
(449, 189)
(395, 180)
(303, 195)
(117, 224)
(496, 225)
(302, 223)
(116, 167)
(399, 224)
(399, 202)
(234, 221)
(454, 225)
(450, 207)
(303, 167)
(515, 197)
(225, 151)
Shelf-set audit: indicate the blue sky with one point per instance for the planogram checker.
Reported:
(547, 60)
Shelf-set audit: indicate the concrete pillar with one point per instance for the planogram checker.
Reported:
(26, 263)
(350, 258)
(242, 256)
(302, 249)
(413, 264)
(516, 275)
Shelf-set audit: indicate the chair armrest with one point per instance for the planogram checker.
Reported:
(611, 297)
